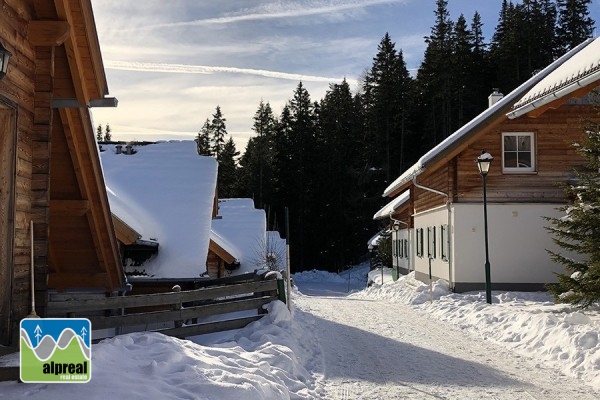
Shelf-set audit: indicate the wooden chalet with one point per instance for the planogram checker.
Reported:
(439, 225)
(157, 240)
(50, 175)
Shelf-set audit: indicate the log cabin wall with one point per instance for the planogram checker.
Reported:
(555, 158)
(440, 180)
(18, 95)
(214, 265)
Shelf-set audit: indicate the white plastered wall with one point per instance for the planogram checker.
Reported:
(439, 268)
(517, 243)
(402, 261)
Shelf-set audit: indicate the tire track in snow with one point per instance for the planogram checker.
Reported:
(373, 350)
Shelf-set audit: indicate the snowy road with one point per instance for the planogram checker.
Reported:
(372, 349)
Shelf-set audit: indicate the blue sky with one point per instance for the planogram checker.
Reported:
(171, 63)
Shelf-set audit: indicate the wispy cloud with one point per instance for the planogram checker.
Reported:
(281, 10)
(203, 69)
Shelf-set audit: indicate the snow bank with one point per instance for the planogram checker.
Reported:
(528, 323)
(265, 361)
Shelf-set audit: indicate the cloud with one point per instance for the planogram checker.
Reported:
(281, 10)
(203, 69)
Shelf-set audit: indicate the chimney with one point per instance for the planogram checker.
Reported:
(118, 149)
(494, 97)
(129, 149)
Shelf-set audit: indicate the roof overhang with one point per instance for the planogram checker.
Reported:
(468, 133)
(223, 248)
(392, 206)
(574, 78)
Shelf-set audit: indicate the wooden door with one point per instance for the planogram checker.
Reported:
(7, 199)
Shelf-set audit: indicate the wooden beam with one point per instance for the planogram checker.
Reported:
(74, 55)
(82, 148)
(64, 280)
(221, 252)
(64, 208)
(183, 314)
(48, 33)
(156, 299)
(125, 233)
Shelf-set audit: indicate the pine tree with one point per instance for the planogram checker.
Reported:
(574, 23)
(99, 135)
(219, 131)
(227, 173)
(524, 41)
(203, 139)
(578, 232)
(434, 78)
(257, 162)
(107, 134)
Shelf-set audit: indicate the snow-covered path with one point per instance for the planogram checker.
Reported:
(376, 350)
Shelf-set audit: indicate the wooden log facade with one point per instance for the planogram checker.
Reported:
(50, 172)
(556, 158)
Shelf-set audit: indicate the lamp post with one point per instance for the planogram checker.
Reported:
(483, 163)
(4, 57)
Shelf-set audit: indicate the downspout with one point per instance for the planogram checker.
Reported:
(448, 203)
(404, 223)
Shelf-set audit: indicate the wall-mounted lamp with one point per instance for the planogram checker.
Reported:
(4, 57)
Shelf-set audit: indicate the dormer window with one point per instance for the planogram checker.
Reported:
(518, 152)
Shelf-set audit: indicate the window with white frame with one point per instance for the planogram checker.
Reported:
(405, 248)
(518, 152)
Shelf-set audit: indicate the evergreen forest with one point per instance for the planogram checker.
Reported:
(328, 161)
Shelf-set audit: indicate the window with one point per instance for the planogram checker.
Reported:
(518, 152)
(399, 248)
(444, 242)
(431, 242)
(420, 242)
(405, 248)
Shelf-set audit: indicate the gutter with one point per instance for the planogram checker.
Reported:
(549, 98)
(448, 203)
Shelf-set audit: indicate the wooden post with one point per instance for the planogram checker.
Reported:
(177, 306)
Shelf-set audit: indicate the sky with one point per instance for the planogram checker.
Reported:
(170, 66)
(344, 340)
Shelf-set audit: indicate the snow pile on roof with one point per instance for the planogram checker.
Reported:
(245, 227)
(165, 191)
(579, 71)
(392, 206)
(471, 126)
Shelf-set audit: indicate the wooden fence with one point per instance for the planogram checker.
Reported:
(181, 309)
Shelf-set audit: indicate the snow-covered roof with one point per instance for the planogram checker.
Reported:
(165, 191)
(470, 128)
(393, 205)
(579, 71)
(225, 245)
(244, 226)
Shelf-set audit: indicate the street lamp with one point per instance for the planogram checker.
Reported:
(483, 163)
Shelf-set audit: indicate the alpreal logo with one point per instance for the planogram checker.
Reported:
(56, 350)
